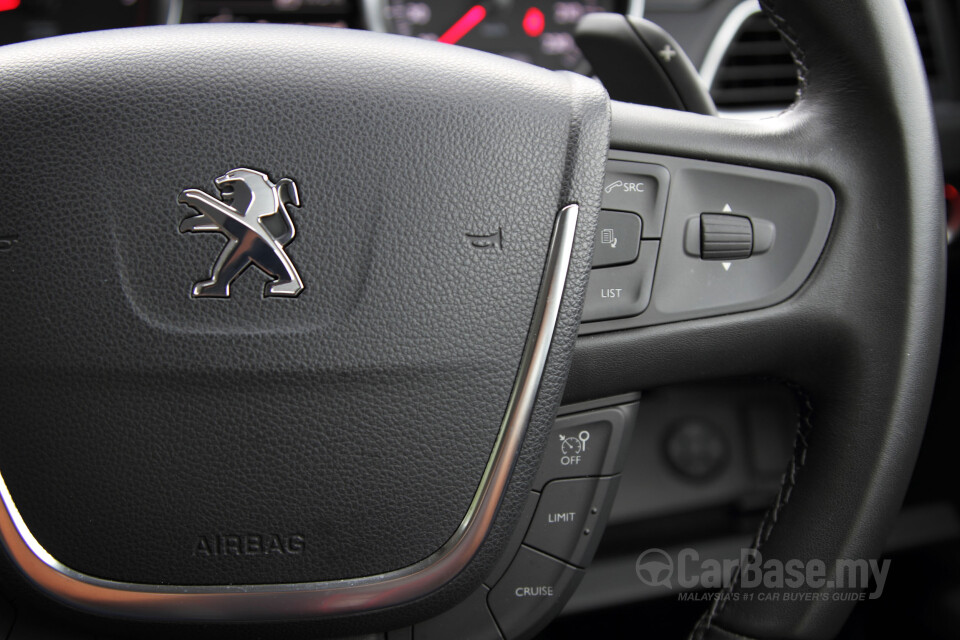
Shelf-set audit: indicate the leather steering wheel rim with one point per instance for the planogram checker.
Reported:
(861, 339)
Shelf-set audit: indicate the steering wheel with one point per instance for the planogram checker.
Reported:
(338, 428)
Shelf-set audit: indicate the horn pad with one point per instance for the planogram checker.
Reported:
(154, 436)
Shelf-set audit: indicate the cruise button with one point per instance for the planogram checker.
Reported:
(531, 592)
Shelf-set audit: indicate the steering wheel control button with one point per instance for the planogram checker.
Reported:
(617, 239)
(571, 516)
(619, 292)
(574, 452)
(531, 592)
(592, 443)
(469, 620)
(724, 236)
(639, 188)
(763, 233)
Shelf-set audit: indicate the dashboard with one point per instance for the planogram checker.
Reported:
(529, 30)
(739, 56)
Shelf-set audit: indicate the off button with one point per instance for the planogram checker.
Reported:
(531, 592)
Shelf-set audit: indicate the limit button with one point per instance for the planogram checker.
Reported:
(570, 518)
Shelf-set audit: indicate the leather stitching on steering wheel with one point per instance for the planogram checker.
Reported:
(799, 57)
(804, 424)
(771, 517)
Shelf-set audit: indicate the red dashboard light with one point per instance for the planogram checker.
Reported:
(953, 211)
(464, 25)
(9, 5)
(534, 22)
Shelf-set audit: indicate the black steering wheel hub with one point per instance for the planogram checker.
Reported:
(293, 300)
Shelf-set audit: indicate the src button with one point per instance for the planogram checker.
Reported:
(639, 188)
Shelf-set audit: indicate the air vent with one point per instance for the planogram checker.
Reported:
(757, 70)
(919, 15)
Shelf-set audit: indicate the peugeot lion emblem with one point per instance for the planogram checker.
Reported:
(252, 214)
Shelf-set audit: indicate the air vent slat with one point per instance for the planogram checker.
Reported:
(754, 96)
(759, 48)
(757, 70)
(749, 62)
(779, 73)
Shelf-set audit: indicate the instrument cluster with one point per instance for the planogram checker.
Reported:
(535, 31)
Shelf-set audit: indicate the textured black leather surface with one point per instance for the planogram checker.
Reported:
(862, 336)
(359, 415)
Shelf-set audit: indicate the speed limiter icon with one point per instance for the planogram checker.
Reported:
(572, 448)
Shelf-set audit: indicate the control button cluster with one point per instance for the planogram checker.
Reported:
(564, 519)
(557, 535)
(713, 238)
(624, 259)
